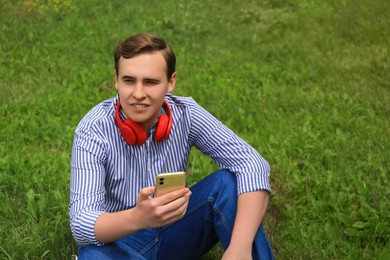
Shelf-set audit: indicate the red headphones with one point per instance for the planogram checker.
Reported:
(133, 133)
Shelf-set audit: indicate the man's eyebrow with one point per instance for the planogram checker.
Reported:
(125, 77)
(151, 79)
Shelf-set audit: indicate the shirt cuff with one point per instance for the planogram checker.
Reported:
(249, 182)
(83, 228)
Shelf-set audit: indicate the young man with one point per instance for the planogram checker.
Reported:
(124, 142)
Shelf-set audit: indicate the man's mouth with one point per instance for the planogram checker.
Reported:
(139, 105)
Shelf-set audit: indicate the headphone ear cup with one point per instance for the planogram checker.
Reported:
(128, 134)
(133, 133)
(169, 125)
(164, 124)
(161, 128)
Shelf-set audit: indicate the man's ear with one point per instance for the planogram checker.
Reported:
(116, 79)
(172, 82)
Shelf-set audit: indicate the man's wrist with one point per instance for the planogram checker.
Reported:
(241, 244)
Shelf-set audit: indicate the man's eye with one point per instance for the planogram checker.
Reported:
(151, 82)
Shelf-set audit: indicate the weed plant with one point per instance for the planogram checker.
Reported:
(305, 82)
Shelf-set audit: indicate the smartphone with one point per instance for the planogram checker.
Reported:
(170, 181)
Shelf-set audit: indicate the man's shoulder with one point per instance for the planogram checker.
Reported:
(102, 112)
(179, 101)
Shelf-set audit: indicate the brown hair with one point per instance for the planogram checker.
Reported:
(145, 43)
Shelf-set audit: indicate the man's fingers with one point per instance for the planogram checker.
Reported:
(177, 213)
(178, 205)
(174, 195)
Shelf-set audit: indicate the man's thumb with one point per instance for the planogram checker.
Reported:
(145, 193)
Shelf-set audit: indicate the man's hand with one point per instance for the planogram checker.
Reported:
(148, 213)
(251, 208)
(162, 210)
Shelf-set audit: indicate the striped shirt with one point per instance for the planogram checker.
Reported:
(107, 174)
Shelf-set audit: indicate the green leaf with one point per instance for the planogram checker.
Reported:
(30, 195)
(359, 224)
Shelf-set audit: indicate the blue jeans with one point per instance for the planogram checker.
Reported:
(209, 218)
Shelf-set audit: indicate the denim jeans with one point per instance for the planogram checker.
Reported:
(209, 218)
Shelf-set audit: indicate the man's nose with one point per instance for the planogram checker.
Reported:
(139, 91)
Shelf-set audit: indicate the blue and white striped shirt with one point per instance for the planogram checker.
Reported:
(107, 174)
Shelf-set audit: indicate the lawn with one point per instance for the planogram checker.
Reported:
(306, 83)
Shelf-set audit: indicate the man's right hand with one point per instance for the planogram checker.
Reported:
(160, 211)
(148, 213)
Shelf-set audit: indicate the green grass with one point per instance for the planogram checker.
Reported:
(306, 82)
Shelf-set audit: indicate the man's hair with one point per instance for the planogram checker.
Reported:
(145, 43)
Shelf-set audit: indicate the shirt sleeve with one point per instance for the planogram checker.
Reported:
(87, 193)
(229, 151)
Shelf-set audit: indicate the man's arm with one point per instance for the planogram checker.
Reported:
(251, 209)
(148, 213)
(231, 152)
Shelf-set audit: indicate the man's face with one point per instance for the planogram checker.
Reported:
(142, 84)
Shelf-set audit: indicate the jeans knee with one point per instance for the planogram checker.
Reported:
(224, 182)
